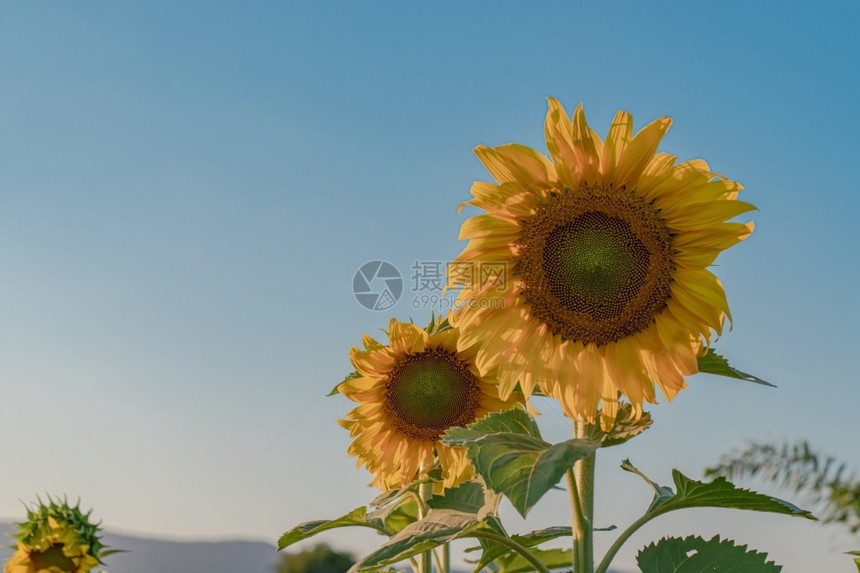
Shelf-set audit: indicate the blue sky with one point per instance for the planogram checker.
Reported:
(176, 281)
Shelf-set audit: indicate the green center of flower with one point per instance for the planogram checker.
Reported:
(596, 265)
(428, 393)
(53, 556)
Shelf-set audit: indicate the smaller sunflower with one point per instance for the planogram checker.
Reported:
(409, 393)
(56, 538)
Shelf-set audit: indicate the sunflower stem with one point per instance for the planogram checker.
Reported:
(576, 521)
(582, 495)
(446, 558)
(425, 559)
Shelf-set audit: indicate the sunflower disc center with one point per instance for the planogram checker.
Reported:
(595, 265)
(428, 393)
(52, 558)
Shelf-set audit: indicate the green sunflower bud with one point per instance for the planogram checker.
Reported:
(56, 538)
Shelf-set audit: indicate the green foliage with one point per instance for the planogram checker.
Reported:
(494, 552)
(713, 363)
(319, 559)
(513, 459)
(695, 555)
(439, 526)
(516, 563)
(823, 480)
(718, 493)
(514, 421)
(456, 514)
(397, 516)
(356, 517)
(469, 497)
(856, 559)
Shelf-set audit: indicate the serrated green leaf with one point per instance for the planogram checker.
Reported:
(713, 363)
(514, 421)
(718, 493)
(355, 518)
(439, 526)
(351, 376)
(695, 555)
(516, 563)
(624, 429)
(520, 466)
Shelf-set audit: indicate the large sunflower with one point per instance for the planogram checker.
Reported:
(605, 247)
(409, 392)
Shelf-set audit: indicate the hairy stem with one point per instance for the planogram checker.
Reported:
(576, 519)
(425, 560)
(583, 473)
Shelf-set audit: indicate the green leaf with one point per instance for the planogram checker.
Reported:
(398, 517)
(718, 493)
(395, 509)
(625, 428)
(439, 526)
(522, 467)
(456, 513)
(514, 421)
(356, 517)
(516, 563)
(468, 497)
(856, 559)
(713, 363)
(493, 550)
(695, 555)
(351, 376)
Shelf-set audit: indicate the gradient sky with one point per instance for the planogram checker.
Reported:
(176, 280)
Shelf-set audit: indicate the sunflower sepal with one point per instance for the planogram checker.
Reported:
(627, 426)
(351, 376)
(57, 537)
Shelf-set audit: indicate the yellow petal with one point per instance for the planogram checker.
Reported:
(514, 163)
(406, 338)
(639, 153)
(620, 133)
(587, 146)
